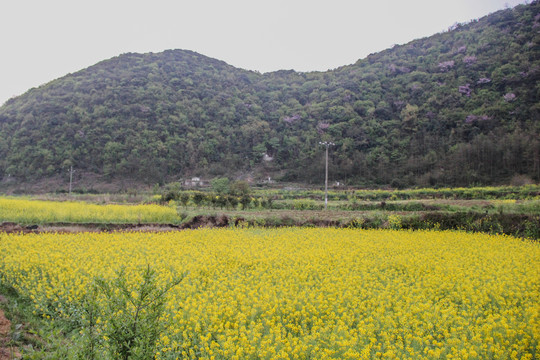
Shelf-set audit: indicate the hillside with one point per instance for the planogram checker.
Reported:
(457, 108)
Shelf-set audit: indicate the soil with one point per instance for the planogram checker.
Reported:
(10, 227)
(6, 352)
(197, 222)
(207, 221)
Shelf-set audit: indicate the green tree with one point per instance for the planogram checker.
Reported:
(220, 185)
(240, 188)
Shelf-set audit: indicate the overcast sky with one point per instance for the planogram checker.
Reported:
(41, 40)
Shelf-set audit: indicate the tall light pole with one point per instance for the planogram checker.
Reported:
(327, 144)
(71, 171)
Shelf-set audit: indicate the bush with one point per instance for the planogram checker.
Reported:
(130, 322)
(220, 185)
(305, 204)
(198, 198)
(169, 195)
(394, 222)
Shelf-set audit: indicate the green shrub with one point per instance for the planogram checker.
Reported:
(305, 204)
(394, 222)
(130, 322)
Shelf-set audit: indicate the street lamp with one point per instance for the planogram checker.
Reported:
(71, 171)
(327, 144)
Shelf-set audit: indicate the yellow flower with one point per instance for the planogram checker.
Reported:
(303, 293)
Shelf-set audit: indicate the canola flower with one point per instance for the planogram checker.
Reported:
(36, 211)
(306, 293)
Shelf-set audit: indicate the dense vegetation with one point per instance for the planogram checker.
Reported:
(457, 108)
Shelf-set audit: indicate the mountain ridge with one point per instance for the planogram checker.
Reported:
(455, 108)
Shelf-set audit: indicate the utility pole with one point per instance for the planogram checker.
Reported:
(327, 144)
(71, 171)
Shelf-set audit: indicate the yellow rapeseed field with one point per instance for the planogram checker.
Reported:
(306, 293)
(36, 211)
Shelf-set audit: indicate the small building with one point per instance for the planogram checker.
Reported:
(195, 181)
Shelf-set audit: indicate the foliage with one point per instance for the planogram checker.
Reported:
(305, 204)
(514, 224)
(394, 222)
(239, 188)
(526, 192)
(198, 198)
(220, 185)
(128, 321)
(457, 108)
(305, 293)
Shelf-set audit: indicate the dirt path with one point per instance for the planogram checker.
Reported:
(6, 352)
(11, 227)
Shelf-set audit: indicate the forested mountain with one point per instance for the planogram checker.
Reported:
(456, 108)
